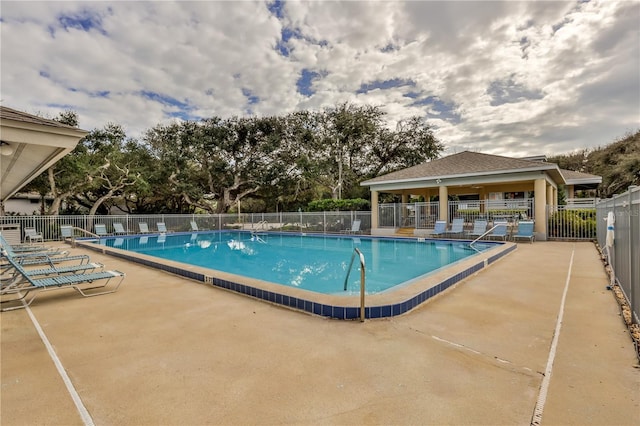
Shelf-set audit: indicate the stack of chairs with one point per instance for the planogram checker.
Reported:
(24, 274)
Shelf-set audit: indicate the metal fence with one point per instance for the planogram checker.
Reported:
(625, 253)
(423, 215)
(412, 215)
(320, 222)
(567, 223)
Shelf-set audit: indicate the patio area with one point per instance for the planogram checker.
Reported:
(167, 350)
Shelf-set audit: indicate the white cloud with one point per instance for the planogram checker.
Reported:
(511, 78)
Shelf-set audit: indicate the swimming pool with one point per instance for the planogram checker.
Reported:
(308, 272)
(316, 263)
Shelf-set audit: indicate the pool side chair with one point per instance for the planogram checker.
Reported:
(31, 235)
(36, 285)
(457, 227)
(355, 227)
(66, 232)
(524, 231)
(14, 279)
(479, 228)
(45, 260)
(40, 257)
(440, 228)
(162, 227)
(101, 229)
(119, 228)
(144, 228)
(28, 248)
(194, 226)
(501, 230)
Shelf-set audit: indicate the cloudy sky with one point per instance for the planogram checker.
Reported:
(508, 78)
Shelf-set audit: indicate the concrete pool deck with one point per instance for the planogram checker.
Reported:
(167, 350)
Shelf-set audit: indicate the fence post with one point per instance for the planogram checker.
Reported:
(632, 295)
(395, 213)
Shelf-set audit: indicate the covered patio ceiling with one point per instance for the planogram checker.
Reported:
(29, 145)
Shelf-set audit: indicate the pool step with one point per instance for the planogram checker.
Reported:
(405, 232)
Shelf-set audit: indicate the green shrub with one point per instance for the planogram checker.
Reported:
(342, 205)
(573, 224)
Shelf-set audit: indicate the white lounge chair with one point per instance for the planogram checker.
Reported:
(144, 228)
(101, 229)
(31, 235)
(118, 228)
(355, 227)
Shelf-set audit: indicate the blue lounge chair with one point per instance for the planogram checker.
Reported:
(440, 228)
(500, 230)
(43, 257)
(33, 285)
(12, 278)
(457, 227)
(479, 228)
(525, 230)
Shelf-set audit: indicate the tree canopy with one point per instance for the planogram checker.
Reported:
(267, 163)
(618, 163)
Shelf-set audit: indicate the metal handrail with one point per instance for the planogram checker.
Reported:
(483, 235)
(73, 237)
(362, 281)
(263, 223)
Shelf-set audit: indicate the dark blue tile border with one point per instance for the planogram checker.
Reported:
(338, 312)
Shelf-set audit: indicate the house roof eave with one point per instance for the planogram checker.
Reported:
(551, 168)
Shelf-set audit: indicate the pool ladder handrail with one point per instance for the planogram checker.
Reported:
(362, 279)
(263, 223)
(483, 235)
(254, 232)
(84, 231)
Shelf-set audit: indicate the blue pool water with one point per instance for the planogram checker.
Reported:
(316, 263)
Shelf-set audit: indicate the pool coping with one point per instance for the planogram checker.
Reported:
(392, 302)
